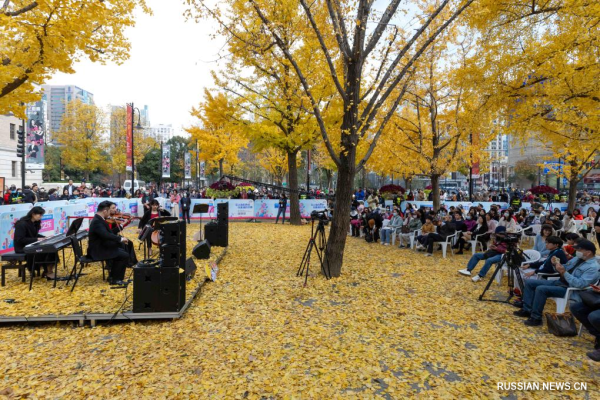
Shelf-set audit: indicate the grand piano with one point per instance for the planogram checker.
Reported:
(56, 243)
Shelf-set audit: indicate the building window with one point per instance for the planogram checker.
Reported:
(14, 169)
(12, 131)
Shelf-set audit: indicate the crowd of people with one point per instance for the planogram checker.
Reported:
(566, 242)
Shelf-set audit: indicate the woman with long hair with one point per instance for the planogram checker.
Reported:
(27, 231)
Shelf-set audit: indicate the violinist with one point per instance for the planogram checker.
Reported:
(116, 223)
(154, 212)
(26, 232)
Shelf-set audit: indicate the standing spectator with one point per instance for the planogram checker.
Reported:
(282, 209)
(185, 204)
(175, 198)
(70, 188)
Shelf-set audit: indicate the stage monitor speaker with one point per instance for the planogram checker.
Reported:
(216, 234)
(190, 269)
(182, 242)
(169, 256)
(202, 250)
(223, 212)
(169, 233)
(158, 290)
(146, 286)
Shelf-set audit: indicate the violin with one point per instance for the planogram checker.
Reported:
(121, 219)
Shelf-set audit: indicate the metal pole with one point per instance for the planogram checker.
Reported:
(23, 156)
(558, 176)
(160, 160)
(132, 151)
(307, 170)
(197, 167)
(471, 170)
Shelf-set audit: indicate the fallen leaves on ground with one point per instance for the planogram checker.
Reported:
(395, 325)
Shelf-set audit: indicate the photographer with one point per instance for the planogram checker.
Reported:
(282, 209)
(491, 257)
(580, 272)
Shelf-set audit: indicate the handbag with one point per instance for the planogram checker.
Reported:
(561, 324)
(405, 229)
(590, 299)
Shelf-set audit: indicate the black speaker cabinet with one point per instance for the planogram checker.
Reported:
(169, 233)
(190, 269)
(158, 290)
(169, 256)
(202, 250)
(216, 234)
(182, 242)
(223, 213)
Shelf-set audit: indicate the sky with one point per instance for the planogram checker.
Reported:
(169, 66)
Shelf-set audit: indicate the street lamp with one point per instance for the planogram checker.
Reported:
(138, 126)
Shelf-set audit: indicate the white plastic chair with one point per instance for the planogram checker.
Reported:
(413, 238)
(474, 243)
(394, 234)
(448, 242)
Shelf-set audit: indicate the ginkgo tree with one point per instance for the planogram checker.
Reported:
(541, 72)
(41, 37)
(369, 59)
(82, 134)
(219, 133)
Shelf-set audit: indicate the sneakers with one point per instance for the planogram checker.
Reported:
(428, 255)
(522, 313)
(459, 252)
(401, 246)
(465, 272)
(533, 322)
(386, 244)
(476, 278)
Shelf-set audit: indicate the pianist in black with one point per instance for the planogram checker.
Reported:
(27, 231)
(105, 245)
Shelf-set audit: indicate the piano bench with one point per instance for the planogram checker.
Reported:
(14, 261)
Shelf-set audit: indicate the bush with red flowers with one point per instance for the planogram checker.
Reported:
(543, 189)
(389, 191)
(221, 190)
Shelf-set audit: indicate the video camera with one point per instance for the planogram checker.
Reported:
(507, 238)
(320, 216)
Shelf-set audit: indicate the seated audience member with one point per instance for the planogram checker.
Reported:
(390, 229)
(508, 221)
(412, 223)
(590, 318)
(568, 225)
(444, 229)
(539, 243)
(579, 273)
(427, 228)
(554, 247)
(355, 223)
(571, 239)
(554, 221)
(491, 257)
(577, 215)
(480, 228)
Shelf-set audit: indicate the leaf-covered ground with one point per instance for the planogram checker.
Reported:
(395, 325)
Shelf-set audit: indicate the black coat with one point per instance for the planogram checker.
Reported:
(26, 232)
(185, 203)
(146, 218)
(102, 243)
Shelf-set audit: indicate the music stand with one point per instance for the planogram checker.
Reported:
(144, 235)
(200, 209)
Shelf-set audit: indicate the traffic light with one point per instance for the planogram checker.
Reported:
(20, 142)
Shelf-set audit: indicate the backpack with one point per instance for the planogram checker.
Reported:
(369, 236)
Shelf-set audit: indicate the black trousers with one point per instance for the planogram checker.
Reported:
(118, 265)
(589, 317)
(186, 214)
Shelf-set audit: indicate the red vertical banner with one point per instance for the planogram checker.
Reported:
(129, 137)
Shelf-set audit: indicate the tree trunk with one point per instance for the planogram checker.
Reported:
(221, 167)
(572, 194)
(435, 188)
(293, 183)
(340, 222)
(329, 175)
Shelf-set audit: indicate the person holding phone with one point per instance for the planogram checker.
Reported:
(580, 272)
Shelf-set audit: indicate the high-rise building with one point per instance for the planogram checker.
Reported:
(57, 97)
(161, 132)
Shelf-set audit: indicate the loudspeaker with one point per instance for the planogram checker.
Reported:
(182, 242)
(158, 290)
(146, 286)
(169, 233)
(216, 234)
(223, 213)
(190, 269)
(169, 256)
(202, 250)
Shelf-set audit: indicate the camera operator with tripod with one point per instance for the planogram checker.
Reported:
(491, 257)
(580, 272)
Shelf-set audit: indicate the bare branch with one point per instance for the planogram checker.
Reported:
(381, 26)
(20, 11)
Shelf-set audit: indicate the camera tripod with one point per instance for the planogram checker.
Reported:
(513, 270)
(318, 242)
